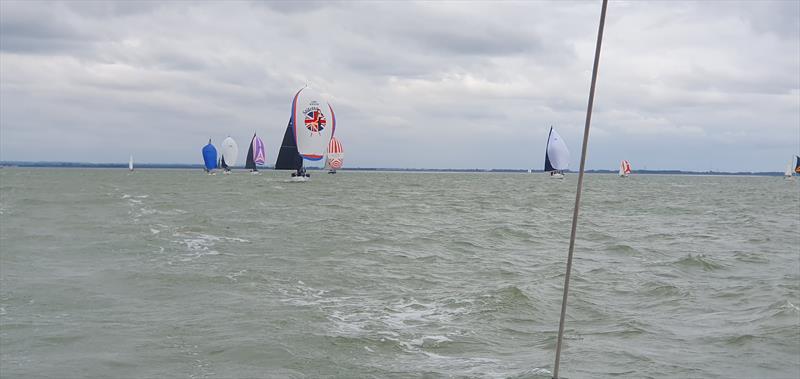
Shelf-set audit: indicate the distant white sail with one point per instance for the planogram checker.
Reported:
(130, 163)
(557, 156)
(230, 151)
(624, 168)
(789, 169)
(314, 124)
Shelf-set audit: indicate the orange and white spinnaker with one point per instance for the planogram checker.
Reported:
(335, 157)
(624, 168)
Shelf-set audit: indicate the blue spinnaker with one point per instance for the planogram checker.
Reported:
(210, 156)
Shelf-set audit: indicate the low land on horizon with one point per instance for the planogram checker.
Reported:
(270, 167)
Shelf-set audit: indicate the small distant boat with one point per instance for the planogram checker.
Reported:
(130, 163)
(335, 156)
(230, 150)
(792, 168)
(556, 156)
(624, 169)
(256, 155)
(209, 158)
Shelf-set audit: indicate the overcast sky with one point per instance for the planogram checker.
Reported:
(682, 85)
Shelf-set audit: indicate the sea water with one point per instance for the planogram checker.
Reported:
(177, 274)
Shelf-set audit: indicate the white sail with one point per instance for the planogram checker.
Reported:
(557, 152)
(314, 124)
(130, 163)
(624, 168)
(230, 150)
(789, 169)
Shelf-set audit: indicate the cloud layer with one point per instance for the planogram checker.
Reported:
(682, 85)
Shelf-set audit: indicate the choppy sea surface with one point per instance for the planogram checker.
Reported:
(177, 274)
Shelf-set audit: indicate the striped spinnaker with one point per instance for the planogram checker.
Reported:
(335, 154)
(334, 147)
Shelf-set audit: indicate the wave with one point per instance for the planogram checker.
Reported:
(622, 249)
(201, 244)
(751, 257)
(700, 261)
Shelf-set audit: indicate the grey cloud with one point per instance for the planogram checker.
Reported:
(32, 28)
(486, 79)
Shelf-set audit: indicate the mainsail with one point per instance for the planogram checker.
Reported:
(256, 154)
(288, 157)
(210, 156)
(793, 167)
(556, 156)
(335, 157)
(130, 163)
(314, 124)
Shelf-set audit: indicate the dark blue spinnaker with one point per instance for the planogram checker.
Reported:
(210, 156)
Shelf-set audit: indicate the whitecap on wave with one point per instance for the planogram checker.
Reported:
(200, 244)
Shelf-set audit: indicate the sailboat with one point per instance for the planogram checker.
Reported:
(335, 157)
(130, 163)
(255, 155)
(624, 169)
(288, 157)
(792, 168)
(230, 150)
(556, 156)
(310, 129)
(209, 158)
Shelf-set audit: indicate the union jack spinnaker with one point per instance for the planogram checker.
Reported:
(313, 122)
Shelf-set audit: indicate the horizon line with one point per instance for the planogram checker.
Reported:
(63, 164)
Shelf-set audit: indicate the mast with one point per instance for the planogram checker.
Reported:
(580, 187)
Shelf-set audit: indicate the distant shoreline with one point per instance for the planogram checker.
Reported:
(506, 170)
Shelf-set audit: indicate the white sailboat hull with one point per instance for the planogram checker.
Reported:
(299, 179)
(557, 175)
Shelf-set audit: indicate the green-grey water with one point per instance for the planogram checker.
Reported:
(176, 274)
